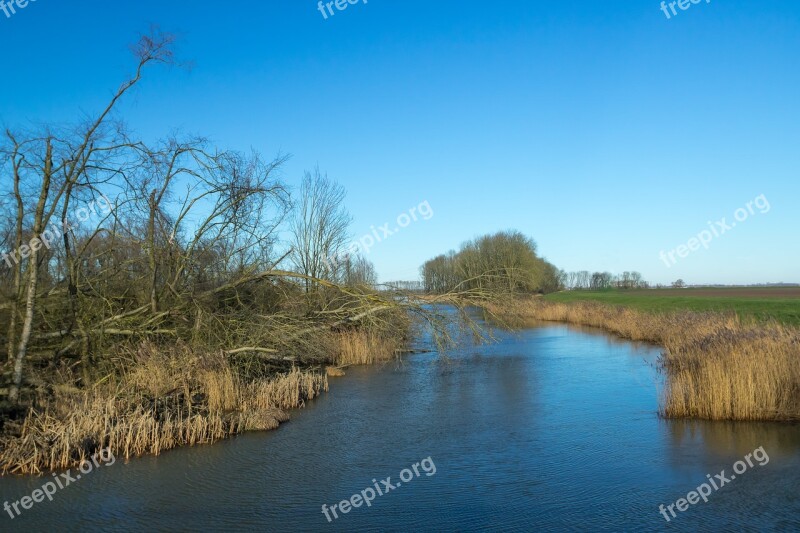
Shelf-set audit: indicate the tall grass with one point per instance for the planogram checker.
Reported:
(361, 347)
(718, 366)
(155, 398)
(162, 400)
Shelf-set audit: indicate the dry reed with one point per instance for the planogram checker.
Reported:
(164, 398)
(161, 402)
(364, 348)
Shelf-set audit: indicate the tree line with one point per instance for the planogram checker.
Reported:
(586, 280)
(507, 261)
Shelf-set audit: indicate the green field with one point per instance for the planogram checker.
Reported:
(778, 303)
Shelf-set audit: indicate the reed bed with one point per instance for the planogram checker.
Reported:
(361, 347)
(156, 398)
(718, 367)
(161, 401)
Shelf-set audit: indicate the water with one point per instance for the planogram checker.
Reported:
(553, 428)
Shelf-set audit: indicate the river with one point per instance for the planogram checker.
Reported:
(550, 428)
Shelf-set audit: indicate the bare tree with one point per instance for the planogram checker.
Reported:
(61, 164)
(319, 229)
(359, 272)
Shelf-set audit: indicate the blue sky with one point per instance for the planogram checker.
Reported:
(603, 130)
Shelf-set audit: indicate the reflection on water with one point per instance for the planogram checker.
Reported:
(551, 428)
(729, 441)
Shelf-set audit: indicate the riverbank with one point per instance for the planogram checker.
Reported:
(719, 366)
(513, 420)
(162, 397)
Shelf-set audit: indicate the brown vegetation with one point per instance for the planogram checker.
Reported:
(365, 348)
(155, 396)
(717, 366)
(158, 402)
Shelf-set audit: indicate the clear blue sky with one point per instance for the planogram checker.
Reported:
(603, 130)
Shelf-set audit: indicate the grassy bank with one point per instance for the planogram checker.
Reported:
(162, 397)
(770, 303)
(718, 365)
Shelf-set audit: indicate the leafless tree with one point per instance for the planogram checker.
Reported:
(62, 165)
(359, 272)
(319, 228)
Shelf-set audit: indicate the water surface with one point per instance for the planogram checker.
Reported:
(553, 428)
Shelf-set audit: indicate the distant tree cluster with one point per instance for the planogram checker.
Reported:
(408, 286)
(586, 280)
(504, 261)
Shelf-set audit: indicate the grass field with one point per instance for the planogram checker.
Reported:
(778, 303)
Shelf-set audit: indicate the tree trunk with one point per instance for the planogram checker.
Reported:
(151, 244)
(33, 277)
(17, 284)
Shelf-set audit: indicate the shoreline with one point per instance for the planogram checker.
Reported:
(718, 366)
(173, 397)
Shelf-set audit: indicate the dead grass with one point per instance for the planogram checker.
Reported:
(162, 400)
(718, 367)
(364, 348)
(158, 399)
